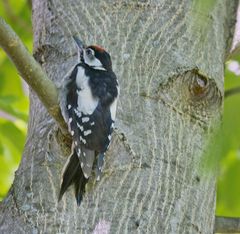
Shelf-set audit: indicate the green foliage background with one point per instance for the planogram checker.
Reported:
(14, 115)
(13, 97)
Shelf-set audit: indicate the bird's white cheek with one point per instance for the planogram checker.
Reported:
(95, 63)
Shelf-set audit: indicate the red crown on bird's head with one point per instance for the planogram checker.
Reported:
(97, 47)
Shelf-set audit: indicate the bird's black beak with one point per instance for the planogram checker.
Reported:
(79, 43)
(80, 47)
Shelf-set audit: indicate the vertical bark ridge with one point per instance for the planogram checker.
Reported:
(168, 56)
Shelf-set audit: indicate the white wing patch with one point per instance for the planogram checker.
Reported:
(113, 106)
(83, 140)
(80, 127)
(87, 132)
(86, 102)
(85, 119)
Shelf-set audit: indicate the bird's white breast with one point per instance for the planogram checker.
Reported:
(86, 102)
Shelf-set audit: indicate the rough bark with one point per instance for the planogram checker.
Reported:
(169, 57)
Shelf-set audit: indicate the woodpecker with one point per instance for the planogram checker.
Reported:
(88, 101)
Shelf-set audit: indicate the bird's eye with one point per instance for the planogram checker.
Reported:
(89, 53)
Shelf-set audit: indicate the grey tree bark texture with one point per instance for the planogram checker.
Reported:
(169, 58)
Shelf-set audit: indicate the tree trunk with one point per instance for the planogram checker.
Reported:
(169, 59)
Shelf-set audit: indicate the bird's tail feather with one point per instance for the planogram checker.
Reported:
(73, 174)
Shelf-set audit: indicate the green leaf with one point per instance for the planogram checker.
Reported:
(1, 148)
(13, 134)
(228, 190)
(5, 105)
(11, 154)
(228, 186)
(13, 100)
(231, 79)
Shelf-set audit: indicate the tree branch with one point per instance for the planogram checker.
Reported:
(231, 92)
(31, 72)
(227, 225)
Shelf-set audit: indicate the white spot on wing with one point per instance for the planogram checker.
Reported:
(85, 119)
(78, 113)
(80, 127)
(69, 107)
(87, 132)
(81, 165)
(83, 140)
(86, 102)
(93, 123)
(70, 120)
(72, 133)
